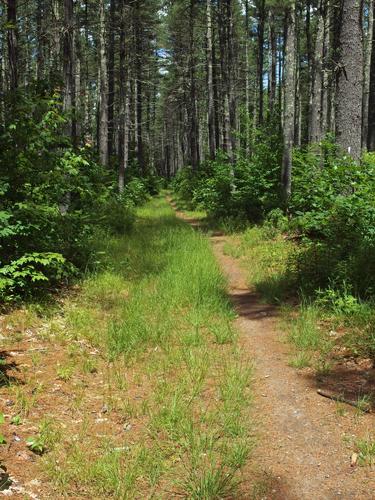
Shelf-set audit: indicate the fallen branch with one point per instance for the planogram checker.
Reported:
(363, 407)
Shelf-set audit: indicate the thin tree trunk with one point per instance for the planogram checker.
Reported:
(247, 80)
(366, 74)
(55, 68)
(68, 71)
(103, 102)
(231, 61)
(12, 44)
(317, 84)
(350, 80)
(261, 22)
(289, 101)
(139, 90)
(111, 76)
(215, 81)
(211, 103)
(272, 71)
(194, 130)
(371, 114)
(310, 67)
(40, 41)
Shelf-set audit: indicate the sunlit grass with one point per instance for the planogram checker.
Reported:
(158, 312)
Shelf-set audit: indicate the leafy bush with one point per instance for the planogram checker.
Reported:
(248, 189)
(52, 200)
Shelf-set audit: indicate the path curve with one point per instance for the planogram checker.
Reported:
(301, 450)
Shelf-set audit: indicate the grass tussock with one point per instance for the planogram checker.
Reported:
(157, 311)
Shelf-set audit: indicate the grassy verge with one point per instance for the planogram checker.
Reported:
(158, 393)
(322, 329)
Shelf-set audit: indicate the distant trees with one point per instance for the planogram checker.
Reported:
(165, 84)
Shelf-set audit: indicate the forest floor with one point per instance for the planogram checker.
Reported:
(159, 378)
(306, 444)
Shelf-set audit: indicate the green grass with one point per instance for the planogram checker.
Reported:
(366, 451)
(309, 323)
(266, 261)
(158, 312)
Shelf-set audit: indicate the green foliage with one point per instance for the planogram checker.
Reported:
(53, 201)
(333, 204)
(247, 189)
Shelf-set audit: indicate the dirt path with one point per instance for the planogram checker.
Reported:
(302, 450)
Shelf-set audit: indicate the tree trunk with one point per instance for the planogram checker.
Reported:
(211, 103)
(139, 88)
(371, 118)
(367, 73)
(40, 40)
(12, 44)
(111, 76)
(350, 80)
(194, 131)
(261, 23)
(68, 71)
(272, 71)
(289, 101)
(247, 79)
(317, 84)
(231, 73)
(310, 66)
(124, 85)
(55, 67)
(103, 101)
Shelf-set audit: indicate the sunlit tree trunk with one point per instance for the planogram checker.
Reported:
(103, 98)
(68, 64)
(317, 84)
(111, 76)
(211, 103)
(366, 74)
(272, 63)
(371, 109)
(350, 80)
(289, 101)
(261, 23)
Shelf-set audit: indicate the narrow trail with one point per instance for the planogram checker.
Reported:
(301, 451)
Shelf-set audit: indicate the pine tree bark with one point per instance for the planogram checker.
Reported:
(40, 40)
(12, 44)
(55, 67)
(210, 86)
(68, 65)
(247, 79)
(194, 130)
(371, 97)
(124, 86)
(366, 73)
(261, 23)
(111, 76)
(272, 65)
(139, 88)
(103, 99)
(350, 80)
(315, 128)
(289, 101)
